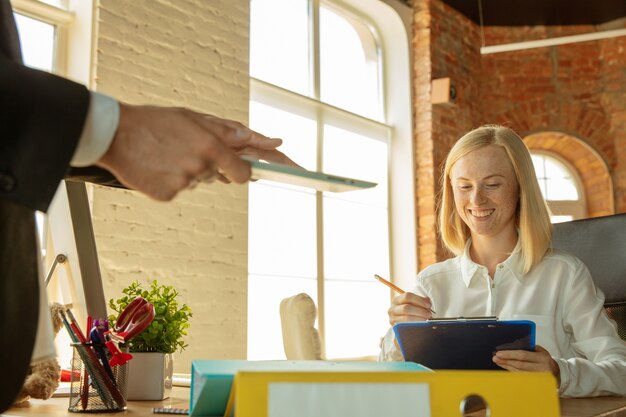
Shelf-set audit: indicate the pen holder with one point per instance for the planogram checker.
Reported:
(96, 387)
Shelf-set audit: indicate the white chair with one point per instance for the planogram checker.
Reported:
(301, 339)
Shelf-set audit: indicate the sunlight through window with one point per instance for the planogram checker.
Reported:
(37, 40)
(349, 65)
(297, 237)
(560, 187)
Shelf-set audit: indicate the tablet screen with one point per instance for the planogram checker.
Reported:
(304, 178)
(462, 344)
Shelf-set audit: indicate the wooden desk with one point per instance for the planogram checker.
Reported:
(55, 407)
(596, 407)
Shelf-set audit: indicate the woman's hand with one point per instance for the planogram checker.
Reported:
(409, 307)
(523, 360)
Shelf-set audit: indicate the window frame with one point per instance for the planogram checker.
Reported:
(575, 208)
(74, 42)
(387, 26)
(55, 16)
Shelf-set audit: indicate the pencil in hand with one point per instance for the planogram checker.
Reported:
(389, 284)
(394, 287)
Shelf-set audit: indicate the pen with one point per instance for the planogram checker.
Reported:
(96, 334)
(84, 393)
(394, 287)
(82, 353)
(94, 367)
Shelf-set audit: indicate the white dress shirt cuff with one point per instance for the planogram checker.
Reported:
(389, 351)
(564, 376)
(100, 126)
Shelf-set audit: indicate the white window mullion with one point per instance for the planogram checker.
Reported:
(314, 32)
(42, 11)
(280, 98)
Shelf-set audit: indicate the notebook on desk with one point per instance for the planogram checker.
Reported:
(460, 343)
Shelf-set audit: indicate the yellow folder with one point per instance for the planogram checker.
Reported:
(507, 394)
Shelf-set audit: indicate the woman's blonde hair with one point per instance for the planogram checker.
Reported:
(532, 217)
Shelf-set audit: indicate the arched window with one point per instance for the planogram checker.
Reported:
(323, 80)
(560, 186)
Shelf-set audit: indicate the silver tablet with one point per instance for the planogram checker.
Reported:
(305, 178)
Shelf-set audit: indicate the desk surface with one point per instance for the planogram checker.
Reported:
(54, 407)
(596, 407)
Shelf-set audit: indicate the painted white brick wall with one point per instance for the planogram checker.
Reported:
(191, 53)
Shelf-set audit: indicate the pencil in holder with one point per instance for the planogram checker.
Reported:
(95, 386)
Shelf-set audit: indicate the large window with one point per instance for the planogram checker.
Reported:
(317, 73)
(560, 186)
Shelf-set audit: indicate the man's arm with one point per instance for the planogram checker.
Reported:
(41, 120)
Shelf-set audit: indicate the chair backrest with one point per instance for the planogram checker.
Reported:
(600, 242)
(301, 339)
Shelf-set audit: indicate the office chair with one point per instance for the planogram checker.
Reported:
(600, 242)
(301, 339)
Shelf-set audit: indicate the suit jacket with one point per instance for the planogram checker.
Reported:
(41, 120)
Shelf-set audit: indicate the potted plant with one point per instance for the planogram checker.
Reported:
(150, 371)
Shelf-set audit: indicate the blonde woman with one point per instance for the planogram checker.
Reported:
(494, 219)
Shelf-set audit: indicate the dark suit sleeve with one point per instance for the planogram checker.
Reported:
(41, 120)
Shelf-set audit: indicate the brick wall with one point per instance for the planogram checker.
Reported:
(613, 58)
(425, 177)
(445, 45)
(191, 53)
(574, 91)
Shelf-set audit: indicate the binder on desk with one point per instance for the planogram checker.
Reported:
(462, 343)
(435, 394)
(211, 380)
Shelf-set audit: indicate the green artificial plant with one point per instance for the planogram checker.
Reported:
(170, 323)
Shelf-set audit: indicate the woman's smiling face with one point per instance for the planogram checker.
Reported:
(486, 191)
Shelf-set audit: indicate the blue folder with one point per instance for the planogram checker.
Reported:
(211, 380)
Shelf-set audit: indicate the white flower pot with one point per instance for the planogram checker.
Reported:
(149, 376)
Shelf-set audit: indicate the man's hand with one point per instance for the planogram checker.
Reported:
(161, 151)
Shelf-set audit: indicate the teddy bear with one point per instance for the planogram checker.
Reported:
(43, 377)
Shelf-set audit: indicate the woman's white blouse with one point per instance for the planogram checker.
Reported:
(558, 295)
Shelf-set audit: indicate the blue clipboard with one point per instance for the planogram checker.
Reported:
(462, 343)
